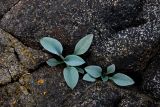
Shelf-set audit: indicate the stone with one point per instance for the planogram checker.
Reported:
(126, 33)
(128, 49)
(5, 77)
(151, 78)
(119, 28)
(68, 20)
(132, 100)
(133, 47)
(124, 14)
(6, 5)
(46, 87)
(15, 95)
(17, 59)
(53, 91)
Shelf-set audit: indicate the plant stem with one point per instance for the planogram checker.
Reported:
(61, 57)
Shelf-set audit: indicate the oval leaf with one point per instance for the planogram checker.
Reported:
(53, 62)
(83, 45)
(111, 69)
(105, 78)
(94, 71)
(52, 45)
(73, 60)
(87, 77)
(80, 70)
(122, 79)
(71, 76)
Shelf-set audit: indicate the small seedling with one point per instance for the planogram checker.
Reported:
(92, 72)
(72, 69)
(72, 62)
(118, 78)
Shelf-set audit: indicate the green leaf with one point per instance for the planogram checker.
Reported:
(105, 78)
(80, 70)
(73, 60)
(111, 69)
(52, 45)
(87, 77)
(71, 76)
(53, 62)
(83, 45)
(122, 79)
(94, 71)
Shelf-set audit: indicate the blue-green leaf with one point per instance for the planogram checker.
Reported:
(53, 62)
(71, 76)
(83, 45)
(87, 77)
(73, 60)
(122, 79)
(105, 78)
(111, 69)
(80, 70)
(52, 45)
(94, 71)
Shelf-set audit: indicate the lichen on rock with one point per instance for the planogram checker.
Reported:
(16, 59)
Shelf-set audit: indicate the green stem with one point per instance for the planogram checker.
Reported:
(61, 57)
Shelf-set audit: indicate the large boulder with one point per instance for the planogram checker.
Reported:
(68, 20)
(120, 28)
(126, 32)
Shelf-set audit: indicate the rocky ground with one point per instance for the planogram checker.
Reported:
(126, 33)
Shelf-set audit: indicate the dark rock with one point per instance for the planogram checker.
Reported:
(47, 88)
(132, 100)
(126, 32)
(64, 20)
(130, 49)
(6, 5)
(69, 21)
(5, 76)
(124, 14)
(151, 79)
(50, 89)
(16, 59)
(15, 95)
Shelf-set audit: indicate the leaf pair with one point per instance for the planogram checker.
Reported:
(54, 46)
(93, 72)
(71, 60)
(118, 78)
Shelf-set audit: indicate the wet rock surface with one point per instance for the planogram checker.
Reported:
(126, 32)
